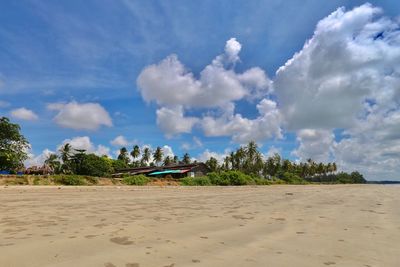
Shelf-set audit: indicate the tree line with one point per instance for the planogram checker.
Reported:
(246, 159)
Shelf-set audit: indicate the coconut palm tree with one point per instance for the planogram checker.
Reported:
(158, 155)
(123, 155)
(135, 153)
(167, 161)
(176, 159)
(186, 158)
(146, 156)
(53, 161)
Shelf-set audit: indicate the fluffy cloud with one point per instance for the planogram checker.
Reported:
(352, 57)
(24, 114)
(81, 116)
(207, 154)
(242, 130)
(172, 121)
(84, 142)
(173, 87)
(171, 83)
(38, 160)
(315, 144)
(120, 140)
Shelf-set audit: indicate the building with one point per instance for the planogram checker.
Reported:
(172, 171)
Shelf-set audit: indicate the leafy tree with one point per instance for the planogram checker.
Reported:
(13, 146)
(94, 165)
(212, 164)
(158, 155)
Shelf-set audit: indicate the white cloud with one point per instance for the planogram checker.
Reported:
(84, 142)
(315, 144)
(172, 121)
(120, 140)
(24, 114)
(353, 56)
(39, 159)
(196, 143)
(81, 116)
(167, 150)
(207, 154)
(170, 83)
(243, 130)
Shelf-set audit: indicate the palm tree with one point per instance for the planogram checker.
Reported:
(66, 152)
(186, 158)
(158, 155)
(53, 162)
(167, 161)
(212, 163)
(146, 156)
(123, 155)
(135, 153)
(176, 159)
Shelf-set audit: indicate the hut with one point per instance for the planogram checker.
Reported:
(174, 171)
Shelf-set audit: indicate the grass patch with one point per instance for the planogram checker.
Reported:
(136, 180)
(196, 181)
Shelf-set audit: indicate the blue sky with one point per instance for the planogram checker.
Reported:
(93, 53)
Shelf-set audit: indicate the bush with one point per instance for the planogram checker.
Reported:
(199, 181)
(94, 165)
(218, 179)
(136, 180)
(69, 180)
(291, 178)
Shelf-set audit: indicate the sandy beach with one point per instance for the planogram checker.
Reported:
(325, 225)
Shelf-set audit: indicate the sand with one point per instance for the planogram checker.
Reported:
(322, 225)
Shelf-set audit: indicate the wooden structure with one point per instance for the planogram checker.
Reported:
(173, 171)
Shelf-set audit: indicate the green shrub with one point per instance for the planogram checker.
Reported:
(94, 165)
(218, 179)
(196, 181)
(69, 180)
(136, 180)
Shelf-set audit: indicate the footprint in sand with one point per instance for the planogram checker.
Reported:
(121, 240)
(195, 261)
(330, 263)
(132, 265)
(109, 264)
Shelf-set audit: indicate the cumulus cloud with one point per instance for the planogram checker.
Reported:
(37, 160)
(314, 144)
(24, 114)
(171, 83)
(352, 57)
(172, 121)
(347, 76)
(81, 116)
(242, 130)
(120, 140)
(207, 154)
(84, 142)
